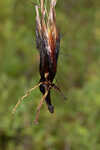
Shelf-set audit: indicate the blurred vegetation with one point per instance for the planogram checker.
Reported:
(75, 125)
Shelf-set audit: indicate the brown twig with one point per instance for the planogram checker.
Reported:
(59, 90)
(22, 98)
(39, 107)
(49, 85)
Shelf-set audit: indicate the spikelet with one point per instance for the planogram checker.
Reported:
(46, 30)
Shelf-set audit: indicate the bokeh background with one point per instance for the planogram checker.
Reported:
(75, 125)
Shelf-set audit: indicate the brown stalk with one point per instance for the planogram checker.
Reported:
(23, 97)
(39, 107)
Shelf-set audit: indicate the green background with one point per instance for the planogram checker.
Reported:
(75, 125)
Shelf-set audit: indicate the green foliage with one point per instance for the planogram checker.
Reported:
(75, 125)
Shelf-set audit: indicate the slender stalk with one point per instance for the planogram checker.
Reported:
(23, 97)
(59, 90)
(39, 107)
